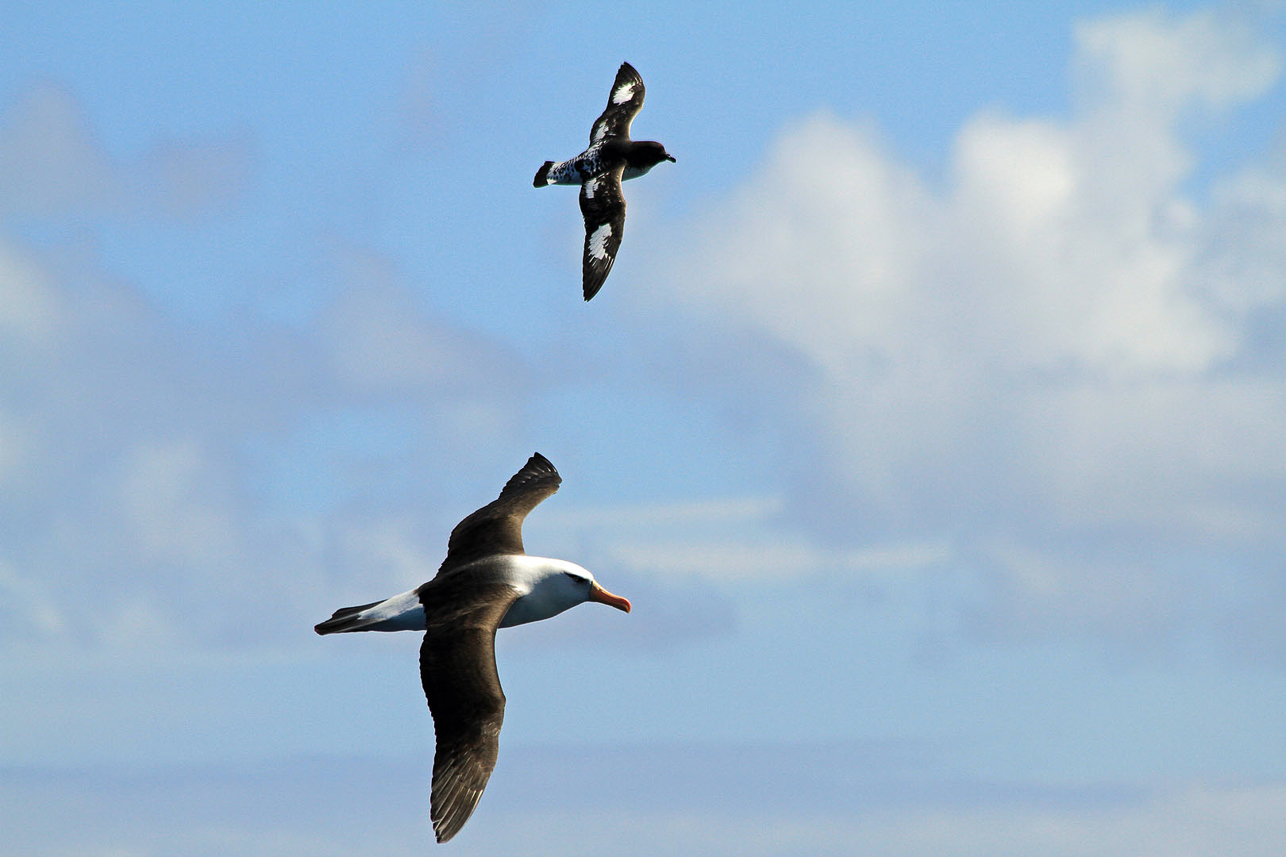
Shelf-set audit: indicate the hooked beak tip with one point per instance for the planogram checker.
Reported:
(602, 596)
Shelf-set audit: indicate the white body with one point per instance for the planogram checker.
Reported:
(546, 588)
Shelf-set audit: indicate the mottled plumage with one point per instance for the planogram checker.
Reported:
(612, 157)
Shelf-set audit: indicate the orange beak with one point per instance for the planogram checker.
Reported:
(602, 596)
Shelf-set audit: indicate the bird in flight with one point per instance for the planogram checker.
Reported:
(486, 582)
(612, 157)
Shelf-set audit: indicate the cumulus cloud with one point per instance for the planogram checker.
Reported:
(1153, 60)
(1059, 348)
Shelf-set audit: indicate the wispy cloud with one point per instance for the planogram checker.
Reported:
(52, 164)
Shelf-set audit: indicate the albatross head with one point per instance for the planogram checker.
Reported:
(557, 585)
(589, 590)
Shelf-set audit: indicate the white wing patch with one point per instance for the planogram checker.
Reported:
(590, 187)
(598, 241)
(624, 94)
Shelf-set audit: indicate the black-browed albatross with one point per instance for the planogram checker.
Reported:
(612, 157)
(486, 582)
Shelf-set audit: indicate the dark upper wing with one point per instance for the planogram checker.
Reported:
(497, 526)
(603, 205)
(458, 670)
(623, 104)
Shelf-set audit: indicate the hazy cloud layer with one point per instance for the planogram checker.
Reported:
(145, 465)
(698, 799)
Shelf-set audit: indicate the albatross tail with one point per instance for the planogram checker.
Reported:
(400, 613)
(343, 619)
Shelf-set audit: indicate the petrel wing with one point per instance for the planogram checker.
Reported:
(623, 104)
(603, 206)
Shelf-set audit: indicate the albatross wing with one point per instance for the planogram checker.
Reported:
(496, 528)
(458, 671)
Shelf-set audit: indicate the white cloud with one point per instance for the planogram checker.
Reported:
(1157, 61)
(821, 250)
(1058, 347)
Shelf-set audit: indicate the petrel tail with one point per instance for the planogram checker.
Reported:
(541, 175)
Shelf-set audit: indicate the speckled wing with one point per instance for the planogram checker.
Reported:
(603, 206)
(458, 671)
(496, 528)
(623, 104)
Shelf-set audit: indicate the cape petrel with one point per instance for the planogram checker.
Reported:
(611, 158)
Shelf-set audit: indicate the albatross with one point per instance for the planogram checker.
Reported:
(486, 582)
(612, 157)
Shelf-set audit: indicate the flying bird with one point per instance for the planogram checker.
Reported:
(486, 582)
(611, 158)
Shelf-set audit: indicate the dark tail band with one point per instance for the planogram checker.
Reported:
(343, 618)
(541, 175)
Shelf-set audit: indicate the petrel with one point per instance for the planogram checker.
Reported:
(486, 582)
(611, 158)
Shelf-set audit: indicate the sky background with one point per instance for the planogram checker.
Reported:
(931, 418)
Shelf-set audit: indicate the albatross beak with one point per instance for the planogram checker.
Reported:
(602, 596)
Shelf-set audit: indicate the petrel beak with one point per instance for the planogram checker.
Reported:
(602, 596)
(671, 159)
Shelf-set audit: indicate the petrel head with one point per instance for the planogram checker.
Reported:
(645, 154)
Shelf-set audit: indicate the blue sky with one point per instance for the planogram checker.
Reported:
(930, 418)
